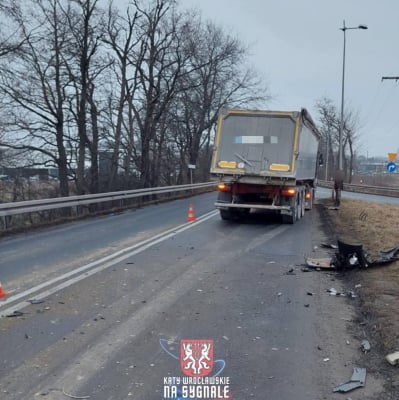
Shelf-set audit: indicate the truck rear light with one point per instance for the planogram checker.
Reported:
(222, 187)
(291, 192)
(308, 195)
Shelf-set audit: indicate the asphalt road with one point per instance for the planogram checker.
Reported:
(116, 295)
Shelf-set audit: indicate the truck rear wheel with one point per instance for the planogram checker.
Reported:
(225, 215)
(302, 204)
(291, 219)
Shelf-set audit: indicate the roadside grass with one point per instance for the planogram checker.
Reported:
(376, 226)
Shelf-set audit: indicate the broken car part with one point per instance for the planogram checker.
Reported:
(357, 380)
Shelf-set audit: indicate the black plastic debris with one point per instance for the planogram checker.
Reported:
(350, 255)
(357, 380)
(388, 256)
(15, 314)
(290, 272)
(353, 255)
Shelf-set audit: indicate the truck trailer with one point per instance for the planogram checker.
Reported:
(265, 160)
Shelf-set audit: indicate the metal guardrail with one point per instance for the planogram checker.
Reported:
(350, 187)
(20, 207)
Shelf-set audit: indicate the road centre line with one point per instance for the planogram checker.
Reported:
(90, 269)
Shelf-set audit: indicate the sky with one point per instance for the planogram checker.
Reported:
(298, 47)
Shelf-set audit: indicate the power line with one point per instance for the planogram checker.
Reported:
(396, 78)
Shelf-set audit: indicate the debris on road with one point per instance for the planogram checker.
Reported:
(319, 262)
(365, 346)
(351, 256)
(74, 397)
(15, 314)
(357, 380)
(290, 272)
(329, 246)
(35, 301)
(309, 293)
(334, 292)
(393, 358)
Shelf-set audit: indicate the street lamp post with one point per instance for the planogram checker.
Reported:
(341, 123)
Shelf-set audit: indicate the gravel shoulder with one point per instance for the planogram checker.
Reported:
(375, 318)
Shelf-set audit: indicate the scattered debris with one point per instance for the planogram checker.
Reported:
(352, 255)
(319, 262)
(329, 246)
(326, 359)
(333, 208)
(306, 305)
(365, 345)
(304, 269)
(309, 293)
(36, 301)
(393, 358)
(357, 380)
(358, 286)
(352, 294)
(279, 294)
(15, 314)
(334, 292)
(290, 272)
(74, 397)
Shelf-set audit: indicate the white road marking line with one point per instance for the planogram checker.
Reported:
(103, 263)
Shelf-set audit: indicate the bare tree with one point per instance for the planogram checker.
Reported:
(85, 22)
(329, 120)
(160, 62)
(33, 87)
(219, 78)
(10, 34)
(122, 39)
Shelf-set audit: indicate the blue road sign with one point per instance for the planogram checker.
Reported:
(391, 167)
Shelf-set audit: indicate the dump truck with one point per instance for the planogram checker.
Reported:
(265, 160)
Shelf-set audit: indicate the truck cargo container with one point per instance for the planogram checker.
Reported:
(265, 160)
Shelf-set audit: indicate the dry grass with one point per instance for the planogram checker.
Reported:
(376, 226)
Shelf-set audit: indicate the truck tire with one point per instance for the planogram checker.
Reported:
(302, 204)
(311, 200)
(226, 215)
(291, 219)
